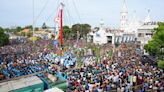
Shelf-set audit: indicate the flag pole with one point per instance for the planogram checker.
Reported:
(61, 26)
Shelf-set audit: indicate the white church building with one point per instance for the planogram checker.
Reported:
(101, 36)
(130, 30)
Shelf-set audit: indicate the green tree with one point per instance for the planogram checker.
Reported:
(1, 31)
(75, 28)
(86, 28)
(161, 64)
(155, 46)
(29, 27)
(44, 26)
(36, 29)
(4, 38)
(18, 29)
(66, 32)
(83, 29)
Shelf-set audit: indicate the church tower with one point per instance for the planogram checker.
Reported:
(124, 16)
(148, 18)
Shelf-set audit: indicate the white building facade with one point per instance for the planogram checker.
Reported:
(101, 36)
(128, 32)
(145, 33)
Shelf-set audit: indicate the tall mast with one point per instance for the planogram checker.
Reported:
(61, 26)
(61, 23)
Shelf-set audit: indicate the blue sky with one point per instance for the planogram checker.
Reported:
(19, 12)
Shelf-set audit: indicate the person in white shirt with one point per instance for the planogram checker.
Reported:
(90, 87)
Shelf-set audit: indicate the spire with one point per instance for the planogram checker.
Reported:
(134, 18)
(148, 19)
(101, 23)
(124, 7)
(134, 13)
(124, 16)
(134, 23)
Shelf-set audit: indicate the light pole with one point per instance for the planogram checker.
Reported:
(114, 47)
(33, 28)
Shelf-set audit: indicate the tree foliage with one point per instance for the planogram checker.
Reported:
(18, 29)
(83, 29)
(154, 47)
(44, 26)
(161, 64)
(75, 28)
(4, 38)
(29, 27)
(79, 30)
(67, 32)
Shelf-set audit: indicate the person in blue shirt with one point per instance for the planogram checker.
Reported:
(108, 87)
(97, 89)
(86, 86)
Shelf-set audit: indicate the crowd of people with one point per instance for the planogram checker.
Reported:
(122, 73)
(23, 58)
(27, 58)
